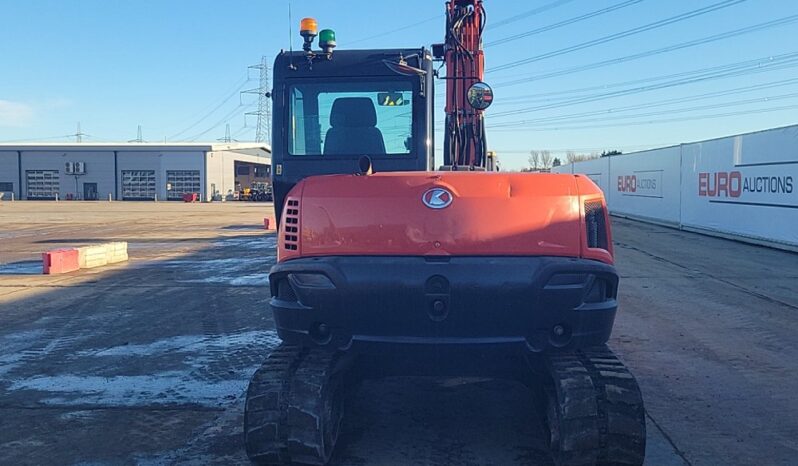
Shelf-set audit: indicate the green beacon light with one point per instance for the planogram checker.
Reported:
(327, 40)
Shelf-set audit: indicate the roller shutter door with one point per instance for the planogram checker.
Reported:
(182, 182)
(42, 184)
(138, 185)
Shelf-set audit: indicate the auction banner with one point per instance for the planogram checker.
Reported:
(743, 185)
(647, 184)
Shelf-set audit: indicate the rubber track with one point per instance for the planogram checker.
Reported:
(572, 404)
(622, 417)
(312, 434)
(266, 409)
(599, 408)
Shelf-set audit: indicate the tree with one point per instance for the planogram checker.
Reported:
(534, 159)
(556, 162)
(545, 159)
(611, 152)
(572, 156)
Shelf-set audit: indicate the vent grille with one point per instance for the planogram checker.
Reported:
(596, 225)
(291, 228)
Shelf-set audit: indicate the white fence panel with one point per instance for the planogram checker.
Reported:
(597, 170)
(647, 185)
(743, 185)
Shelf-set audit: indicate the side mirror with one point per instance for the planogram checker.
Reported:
(480, 95)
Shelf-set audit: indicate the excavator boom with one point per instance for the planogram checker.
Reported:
(465, 143)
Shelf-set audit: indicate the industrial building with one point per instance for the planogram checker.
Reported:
(130, 171)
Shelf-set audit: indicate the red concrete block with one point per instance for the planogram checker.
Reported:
(269, 223)
(60, 261)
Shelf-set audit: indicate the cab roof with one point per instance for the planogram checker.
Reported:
(347, 63)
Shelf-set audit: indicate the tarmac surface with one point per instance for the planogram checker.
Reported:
(146, 362)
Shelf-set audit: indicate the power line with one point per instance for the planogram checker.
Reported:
(648, 88)
(660, 103)
(623, 34)
(566, 22)
(666, 120)
(527, 14)
(587, 149)
(438, 17)
(756, 63)
(221, 121)
(683, 45)
(98, 138)
(207, 115)
(403, 28)
(48, 138)
(212, 103)
(664, 112)
(242, 130)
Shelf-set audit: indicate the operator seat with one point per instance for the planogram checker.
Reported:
(353, 128)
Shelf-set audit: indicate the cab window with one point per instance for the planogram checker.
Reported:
(349, 118)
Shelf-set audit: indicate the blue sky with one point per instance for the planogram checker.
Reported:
(170, 66)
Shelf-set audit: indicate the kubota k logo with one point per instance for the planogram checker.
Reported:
(437, 198)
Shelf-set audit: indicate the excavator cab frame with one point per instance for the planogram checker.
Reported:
(361, 70)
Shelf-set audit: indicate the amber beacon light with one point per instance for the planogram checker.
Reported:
(308, 29)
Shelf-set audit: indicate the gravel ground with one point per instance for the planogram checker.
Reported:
(146, 362)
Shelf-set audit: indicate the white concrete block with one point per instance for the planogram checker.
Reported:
(98, 255)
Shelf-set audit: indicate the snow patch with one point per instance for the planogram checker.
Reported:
(213, 264)
(77, 415)
(9, 362)
(196, 379)
(165, 388)
(252, 242)
(232, 271)
(25, 337)
(251, 280)
(190, 344)
(17, 348)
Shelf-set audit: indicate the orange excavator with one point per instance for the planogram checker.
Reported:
(389, 265)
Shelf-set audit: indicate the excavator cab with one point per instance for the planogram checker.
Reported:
(332, 109)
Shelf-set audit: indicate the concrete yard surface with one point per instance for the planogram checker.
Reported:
(146, 362)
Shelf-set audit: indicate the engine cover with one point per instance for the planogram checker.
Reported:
(441, 213)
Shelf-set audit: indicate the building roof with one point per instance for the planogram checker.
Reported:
(126, 146)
